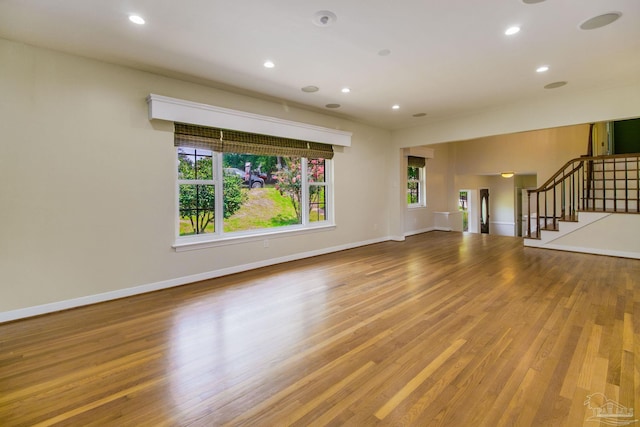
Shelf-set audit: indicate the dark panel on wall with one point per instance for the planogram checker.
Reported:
(626, 136)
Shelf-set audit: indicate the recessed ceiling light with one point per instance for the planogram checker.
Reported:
(555, 85)
(332, 105)
(269, 64)
(532, 1)
(600, 21)
(310, 89)
(136, 19)
(542, 69)
(384, 52)
(396, 107)
(345, 90)
(512, 30)
(419, 114)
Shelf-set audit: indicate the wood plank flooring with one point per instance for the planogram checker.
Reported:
(444, 329)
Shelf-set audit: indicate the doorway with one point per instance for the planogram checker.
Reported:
(463, 206)
(469, 207)
(484, 210)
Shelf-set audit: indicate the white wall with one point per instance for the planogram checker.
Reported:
(438, 178)
(597, 233)
(502, 206)
(616, 233)
(477, 163)
(541, 152)
(552, 110)
(87, 182)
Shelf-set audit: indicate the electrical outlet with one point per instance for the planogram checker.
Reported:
(265, 243)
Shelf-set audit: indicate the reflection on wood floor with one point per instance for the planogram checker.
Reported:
(443, 329)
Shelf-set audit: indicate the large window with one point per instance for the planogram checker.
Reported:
(230, 188)
(416, 181)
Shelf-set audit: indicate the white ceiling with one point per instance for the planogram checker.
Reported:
(448, 57)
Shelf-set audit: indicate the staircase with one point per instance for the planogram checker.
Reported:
(585, 207)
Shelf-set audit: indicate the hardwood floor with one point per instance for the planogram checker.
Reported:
(442, 329)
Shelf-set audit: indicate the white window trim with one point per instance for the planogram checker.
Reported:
(422, 193)
(177, 110)
(193, 243)
(219, 238)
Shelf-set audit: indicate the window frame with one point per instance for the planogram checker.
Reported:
(328, 190)
(219, 237)
(421, 181)
(208, 182)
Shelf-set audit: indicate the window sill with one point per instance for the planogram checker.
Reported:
(190, 244)
(416, 206)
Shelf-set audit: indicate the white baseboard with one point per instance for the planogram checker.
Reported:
(38, 310)
(423, 230)
(502, 228)
(532, 243)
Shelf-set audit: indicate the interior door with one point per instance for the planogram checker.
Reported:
(484, 210)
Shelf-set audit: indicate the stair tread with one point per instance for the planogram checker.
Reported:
(610, 184)
(609, 211)
(609, 198)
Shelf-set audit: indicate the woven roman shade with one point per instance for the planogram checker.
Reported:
(233, 141)
(197, 137)
(416, 162)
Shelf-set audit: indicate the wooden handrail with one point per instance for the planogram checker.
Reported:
(573, 188)
(581, 159)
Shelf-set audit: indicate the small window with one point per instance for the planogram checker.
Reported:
(416, 182)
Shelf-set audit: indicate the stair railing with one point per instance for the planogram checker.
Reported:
(589, 183)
